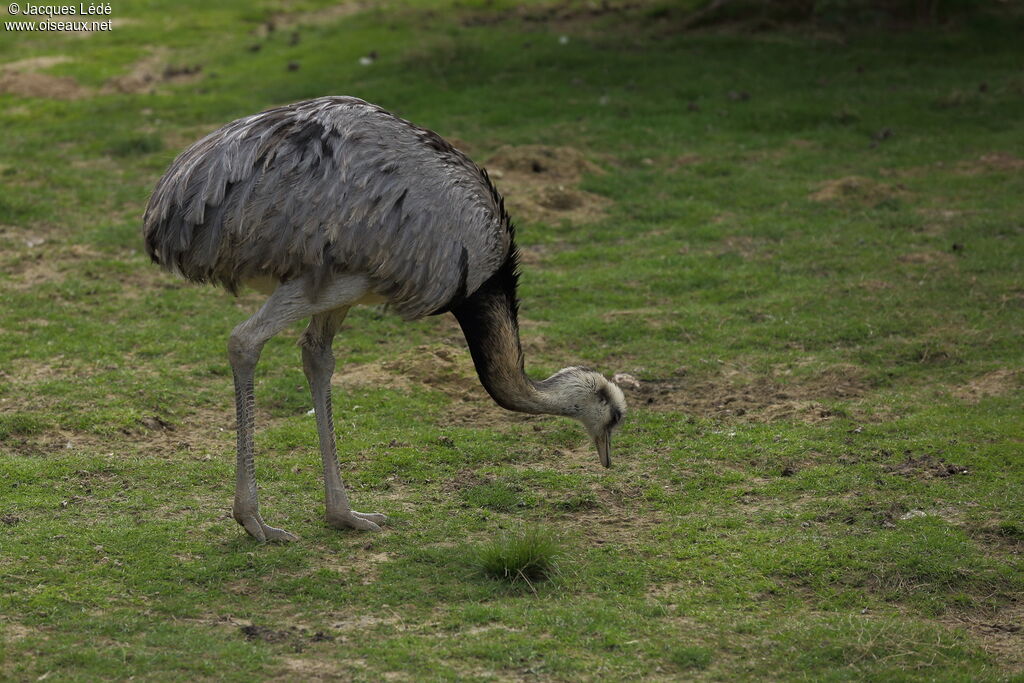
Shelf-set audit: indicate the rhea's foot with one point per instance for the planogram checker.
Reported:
(264, 532)
(363, 521)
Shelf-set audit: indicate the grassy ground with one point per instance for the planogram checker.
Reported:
(807, 248)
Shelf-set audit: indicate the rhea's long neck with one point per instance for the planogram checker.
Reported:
(489, 321)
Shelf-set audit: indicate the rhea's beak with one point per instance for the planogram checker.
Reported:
(604, 447)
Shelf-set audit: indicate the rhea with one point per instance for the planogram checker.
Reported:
(334, 202)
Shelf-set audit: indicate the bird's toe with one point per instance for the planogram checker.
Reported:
(279, 535)
(263, 532)
(374, 517)
(351, 521)
(253, 526)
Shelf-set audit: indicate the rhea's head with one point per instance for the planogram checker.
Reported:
(593, 400)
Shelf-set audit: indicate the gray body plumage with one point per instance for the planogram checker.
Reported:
(337, 199)
(327, 186)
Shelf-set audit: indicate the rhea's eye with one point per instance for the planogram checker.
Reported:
(616, 418)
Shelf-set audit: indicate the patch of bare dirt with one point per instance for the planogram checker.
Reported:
(297, 638)
(47, 263)
(996, 383)
(755, 398)
(925, 466)
(747, 247)
(857, 190)
(992, 162)
(944, 217)
(684, 161)
(539, 184)
(35, 63)
(438, 366)
(1000, 633)
(316, 668)
(25, 78)
(362, 565)
(535, 254)
(204, 430)
(15, 631)
(927, 257)
(996, 162)
(151, 71)
(875, 285)
(612, 514)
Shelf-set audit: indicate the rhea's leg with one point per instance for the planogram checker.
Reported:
(288, 304)
(244, 349)
(318, 364)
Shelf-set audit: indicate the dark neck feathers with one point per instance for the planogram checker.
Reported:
(489, 319)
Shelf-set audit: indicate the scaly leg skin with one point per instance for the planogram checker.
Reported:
(246, 509)
(289, 303)
(284, 307)
(318, 364)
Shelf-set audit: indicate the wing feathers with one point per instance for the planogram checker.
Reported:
(328, 185)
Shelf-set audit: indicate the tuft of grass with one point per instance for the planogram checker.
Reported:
(1011, 530)
(527, 555)
(22, 424)
(690, 657)
(500, 496)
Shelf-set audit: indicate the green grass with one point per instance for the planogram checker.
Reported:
(522, 556)
(817, 284)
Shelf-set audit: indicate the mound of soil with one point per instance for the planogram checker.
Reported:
(24, 78)
(561, 164)
(151, 71)
(925, 466)
(439, 366)
(538, 183)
